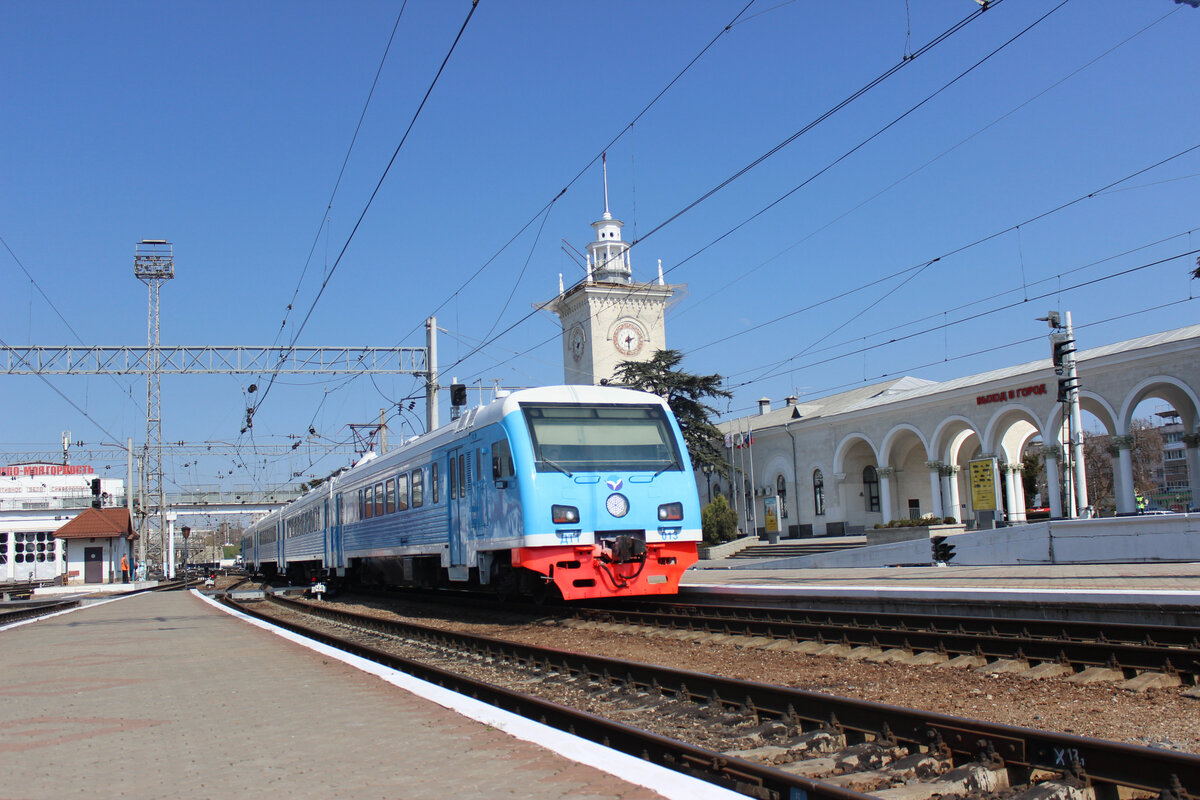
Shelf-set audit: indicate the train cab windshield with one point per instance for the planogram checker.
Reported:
(601, 438)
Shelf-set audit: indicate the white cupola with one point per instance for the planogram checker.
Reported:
(608, 255)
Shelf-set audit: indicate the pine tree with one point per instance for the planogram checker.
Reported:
(684, 393)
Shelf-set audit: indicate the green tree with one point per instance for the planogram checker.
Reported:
(718, 521)
(685, 394)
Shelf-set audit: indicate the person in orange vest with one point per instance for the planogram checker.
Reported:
(124, 568)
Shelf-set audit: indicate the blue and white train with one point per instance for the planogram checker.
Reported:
(584, 489)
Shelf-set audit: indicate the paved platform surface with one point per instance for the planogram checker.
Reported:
(1152, 577)
(1160, 594)
(160, 695)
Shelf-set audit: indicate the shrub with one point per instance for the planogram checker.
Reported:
(920, 522)
(718, 521)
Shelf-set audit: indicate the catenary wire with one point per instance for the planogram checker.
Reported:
(845, 155)
(745, 274)
(354, 230)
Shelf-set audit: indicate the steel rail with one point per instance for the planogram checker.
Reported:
(1106, 762)
(1129, 648)
(746, 777)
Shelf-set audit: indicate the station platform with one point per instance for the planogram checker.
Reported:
(165, 694)
(1140, 593)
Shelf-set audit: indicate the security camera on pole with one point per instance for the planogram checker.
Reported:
(1062, 343)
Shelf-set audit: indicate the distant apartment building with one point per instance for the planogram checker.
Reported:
(1173, 489)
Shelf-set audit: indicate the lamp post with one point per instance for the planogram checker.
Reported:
(707, 469)
(185, 531)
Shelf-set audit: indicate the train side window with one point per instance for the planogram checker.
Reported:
(368, 502)
(389, 505)
(462, 475)
(433, 481)
(418, 488)
(379, 499)
(453, 481)
(502, 466)
(401, 492)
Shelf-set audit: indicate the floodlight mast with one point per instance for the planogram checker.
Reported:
(153, 264)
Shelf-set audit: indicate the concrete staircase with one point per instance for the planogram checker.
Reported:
(793, 548)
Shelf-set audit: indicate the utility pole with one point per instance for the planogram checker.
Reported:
(1062, 343)
(1081, 495)
(431, 376)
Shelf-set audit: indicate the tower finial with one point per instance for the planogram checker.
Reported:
(604, 163)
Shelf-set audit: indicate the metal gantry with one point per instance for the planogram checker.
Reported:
(206, 360)
(153, 264)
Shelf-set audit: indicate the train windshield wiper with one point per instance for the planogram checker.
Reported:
(674, 463)
(558, 467)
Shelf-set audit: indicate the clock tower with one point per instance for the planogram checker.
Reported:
(608, 317)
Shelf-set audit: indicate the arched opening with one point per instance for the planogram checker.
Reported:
(870, 492)
(818, 493)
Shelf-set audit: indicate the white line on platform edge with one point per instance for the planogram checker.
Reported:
(1157, 596)
(668, 783)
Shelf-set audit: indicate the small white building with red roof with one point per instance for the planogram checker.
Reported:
(94, 543)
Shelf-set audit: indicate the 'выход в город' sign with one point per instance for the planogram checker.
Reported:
(1011, 394)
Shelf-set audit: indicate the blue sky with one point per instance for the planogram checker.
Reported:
(223, 126)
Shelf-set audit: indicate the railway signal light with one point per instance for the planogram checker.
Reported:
(95, 493)
(943, 551)
(458, 394)
(1063, 346)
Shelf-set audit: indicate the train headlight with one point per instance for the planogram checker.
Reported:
(617, 505)
(670, 511)
(564, 515)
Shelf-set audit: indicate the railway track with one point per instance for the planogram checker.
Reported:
(761, 740)
(1125, 651)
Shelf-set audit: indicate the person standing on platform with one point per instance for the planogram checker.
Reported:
(124, 568)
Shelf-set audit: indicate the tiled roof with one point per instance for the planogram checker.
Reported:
(99, 523)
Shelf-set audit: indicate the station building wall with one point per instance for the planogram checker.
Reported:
(879, 447)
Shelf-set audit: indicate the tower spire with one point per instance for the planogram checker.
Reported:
(604, 164)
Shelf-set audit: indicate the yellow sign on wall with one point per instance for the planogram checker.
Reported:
(983, 484)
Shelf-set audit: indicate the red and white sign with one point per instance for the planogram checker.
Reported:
(1011, 394)
(31, 470)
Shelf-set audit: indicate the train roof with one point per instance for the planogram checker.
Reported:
(477, 417)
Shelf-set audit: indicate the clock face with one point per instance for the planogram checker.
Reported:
(628, 339)
(578, 342)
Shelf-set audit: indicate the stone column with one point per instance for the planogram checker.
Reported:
(1123, 486)
(169, 550)
(1010, 499)
(1053, 455)
(949, 508)
(1192, 440)
(1019, 485)
(885, 492)
(935, 488)
(952, 471)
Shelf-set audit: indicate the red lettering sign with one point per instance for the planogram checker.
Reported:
(32, 470)
(1011, 394)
